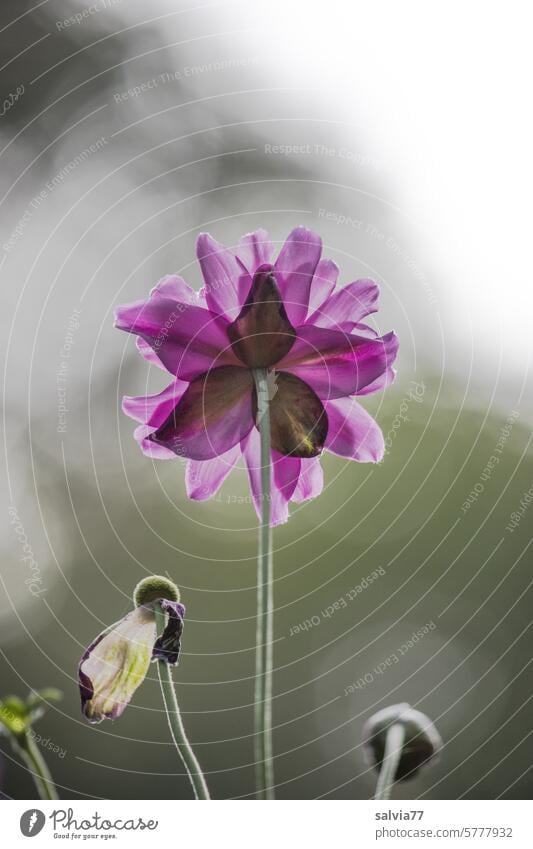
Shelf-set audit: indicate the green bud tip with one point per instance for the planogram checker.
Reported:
(154, 587)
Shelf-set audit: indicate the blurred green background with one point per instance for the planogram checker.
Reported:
(99, 516)
(463, 572)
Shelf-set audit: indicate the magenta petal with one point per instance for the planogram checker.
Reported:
(279, 507)
(311, 480)
(350, 304)
(151, 449)
(222, 271)
(294, 270)
(379, 383)
(188, 340)
(286, 473)
(254, 249)
(323, 284)
(154, 409)
(175, 288)
(359, 328)
(355, 327)
(353, 432)
(148, 353)
(204, 478)
(336, 364)
(151, 411)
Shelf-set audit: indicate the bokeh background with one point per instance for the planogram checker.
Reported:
(128, 128)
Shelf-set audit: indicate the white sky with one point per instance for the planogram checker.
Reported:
(443, 91)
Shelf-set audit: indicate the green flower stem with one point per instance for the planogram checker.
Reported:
(175, 722)
(37, 767)
(391, 759)
(264, 634)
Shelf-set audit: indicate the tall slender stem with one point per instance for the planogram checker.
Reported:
(391, 759)
(38, 768)
(175, 722)
(264, 633)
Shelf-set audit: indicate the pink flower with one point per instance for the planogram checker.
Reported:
(288, 317)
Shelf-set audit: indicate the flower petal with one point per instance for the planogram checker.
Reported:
(203, 478)
(175, 288)
(148, 353)
(286, 473)
(151, 411)
(142, 435)
(213, 415)
(311, 480)
(298, 421)
(360, 328)
(294, 270)
(222, 271)
(188, 339)
(262, 333)
(353, 432)
(336, 364)
(167, 646)
(379, 383)
(315, 344)
(323, 284)
(154, 409)
(254, 249)
(115, 664)
(351, 303)
(279, 506)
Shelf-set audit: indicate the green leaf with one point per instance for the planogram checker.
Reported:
(13, 715)
(17, 716)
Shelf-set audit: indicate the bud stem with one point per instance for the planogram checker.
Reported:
(391, 759)
(37, 767)
(175, 721)
(264, 634)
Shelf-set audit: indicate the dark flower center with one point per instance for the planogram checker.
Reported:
(215, 402)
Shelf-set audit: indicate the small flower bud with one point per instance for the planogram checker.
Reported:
(421, 740)
(117, 661)
(154, 587)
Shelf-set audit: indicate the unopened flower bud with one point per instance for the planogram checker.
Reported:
(421, 740)
(117, 661)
